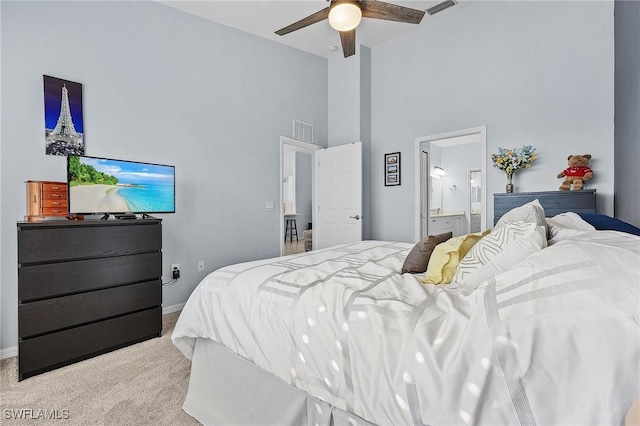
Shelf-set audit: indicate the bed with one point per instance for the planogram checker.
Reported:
(341, 336)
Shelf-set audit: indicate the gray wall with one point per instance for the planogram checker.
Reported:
(350, 116)
(344, 99)
(627, 111)
(165, 87)
(535, 73)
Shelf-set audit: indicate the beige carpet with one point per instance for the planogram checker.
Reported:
(143, 384)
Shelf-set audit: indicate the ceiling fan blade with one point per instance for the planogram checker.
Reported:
(348, 39)
(390, 12)
(304, 22)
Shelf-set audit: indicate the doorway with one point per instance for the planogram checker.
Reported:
(297, 180)
(443, 192)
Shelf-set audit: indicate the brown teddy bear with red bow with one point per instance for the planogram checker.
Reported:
(577, 173)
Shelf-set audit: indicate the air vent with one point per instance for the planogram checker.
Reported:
(440, 7)
(302, 131)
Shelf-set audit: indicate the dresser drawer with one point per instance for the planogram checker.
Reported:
(63, 312)
(65, 347)
(51, 195)
(64, 278)
(54, 211)
(57, 203)
(54, 187)
(99, 240)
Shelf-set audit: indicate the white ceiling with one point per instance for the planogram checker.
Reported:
(264, 17)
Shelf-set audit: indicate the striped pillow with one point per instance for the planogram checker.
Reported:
(502, 249)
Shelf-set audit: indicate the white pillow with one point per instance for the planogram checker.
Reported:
(566, 225)
(530, 212)
(570, 220)
(499, 251)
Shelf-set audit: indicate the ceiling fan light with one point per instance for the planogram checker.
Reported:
(344, 16)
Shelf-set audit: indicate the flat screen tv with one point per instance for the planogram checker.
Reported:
(106, 186)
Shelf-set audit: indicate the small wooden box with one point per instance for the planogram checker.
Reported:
(45, 199)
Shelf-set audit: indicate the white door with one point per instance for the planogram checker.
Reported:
(339, 192)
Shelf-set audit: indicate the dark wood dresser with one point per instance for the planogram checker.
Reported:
(86, 288)
(553, 202)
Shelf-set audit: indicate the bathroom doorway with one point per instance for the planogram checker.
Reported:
(443, 191)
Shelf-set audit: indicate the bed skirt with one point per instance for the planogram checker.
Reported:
(226, 389)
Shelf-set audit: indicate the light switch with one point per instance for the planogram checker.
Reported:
(269, 206)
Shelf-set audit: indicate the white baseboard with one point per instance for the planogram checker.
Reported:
(173, 308)
(9, 352)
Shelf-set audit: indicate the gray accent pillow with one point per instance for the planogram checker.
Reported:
(418, 258)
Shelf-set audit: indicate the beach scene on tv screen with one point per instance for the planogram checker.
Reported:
(99, 185)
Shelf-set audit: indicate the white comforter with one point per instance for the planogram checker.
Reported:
(554, 340)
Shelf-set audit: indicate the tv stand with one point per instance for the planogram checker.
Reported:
(147, 216)
(105, 217)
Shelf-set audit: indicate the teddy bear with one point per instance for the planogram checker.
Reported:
(577, 173)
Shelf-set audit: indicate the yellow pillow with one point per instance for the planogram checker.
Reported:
(446, 257)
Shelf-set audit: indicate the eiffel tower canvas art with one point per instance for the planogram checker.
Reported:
(64, 127)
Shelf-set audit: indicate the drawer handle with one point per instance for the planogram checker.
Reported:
(34, 200)
(56, 187)
(56, 203)
(56, 211)
(56, 195)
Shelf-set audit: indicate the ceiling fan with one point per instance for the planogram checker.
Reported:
(345, 15)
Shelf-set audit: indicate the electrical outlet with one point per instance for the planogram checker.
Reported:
(269, 206)
(175, 271)
(200, 265)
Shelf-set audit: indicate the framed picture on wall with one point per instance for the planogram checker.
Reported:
(392, 169)
(64, 124)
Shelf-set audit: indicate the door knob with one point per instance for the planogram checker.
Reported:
(356, 217)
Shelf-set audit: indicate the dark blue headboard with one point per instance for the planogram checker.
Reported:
(553, 202)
